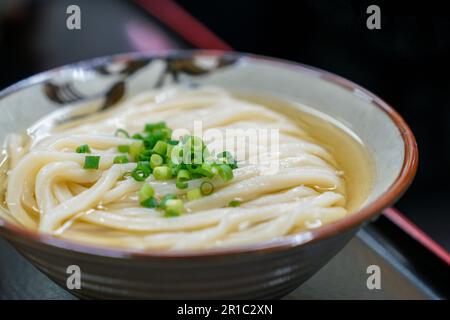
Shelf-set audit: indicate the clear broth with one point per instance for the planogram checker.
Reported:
(349, 151)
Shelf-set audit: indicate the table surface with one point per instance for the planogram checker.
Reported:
(344, 277)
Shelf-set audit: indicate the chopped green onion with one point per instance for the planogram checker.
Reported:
(192, 167)
(182, 177)
(91, 162)
(160, 148)
(169, 150)
(194, 143)
(156, 160)
(126, 174)
(169, 196)
(83, 149)
(175, 168)
(150, 141)
(170, 214)
(194, 194)
(173, 207)
(121, 159)
(167, 133)
(224, 172)
(233, 165)
(225, 157)
(234, 203)
(192, 150)
(206, 188)
(150, 127)
(144, 155)
(142, 171)
(136, 147)
(121, 132)
(149, 203)
(123, 148)
(187, 158)
(176, 155)
(162, 173)
(160, 134)
(207, 169)
(145, 192)
(196, 175)
(183, 174)
(137, 136)
(185, 138)
(225, 154)
(180, 184)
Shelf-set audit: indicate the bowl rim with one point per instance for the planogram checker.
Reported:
(353, 221)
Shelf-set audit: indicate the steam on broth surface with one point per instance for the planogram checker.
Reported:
(90, 182)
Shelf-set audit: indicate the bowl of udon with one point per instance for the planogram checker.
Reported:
(193, 174)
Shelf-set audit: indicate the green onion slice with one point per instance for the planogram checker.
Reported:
(136, 147)
(145, 192)
(181, 184)
(225, 172)
(156, 160)
(150, 127)
(83, 149)
(123, 148)
(194, 194)
(162, 173)
(225, 157)
(206, 188)
(194, 143)
(91, 162)
(149, 203)
(173, 142)
(174, 207)
(121, 133)
(169, 196)
(137, 136)
(121, 159)
(182, 177)
(234, 203)
(142, 171)
(160, 147)
(176, 155)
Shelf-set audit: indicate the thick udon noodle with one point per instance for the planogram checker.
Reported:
(48, 189)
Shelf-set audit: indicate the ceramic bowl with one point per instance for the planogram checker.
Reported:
(266, 270)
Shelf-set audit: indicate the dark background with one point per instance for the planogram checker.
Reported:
(407, 62)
